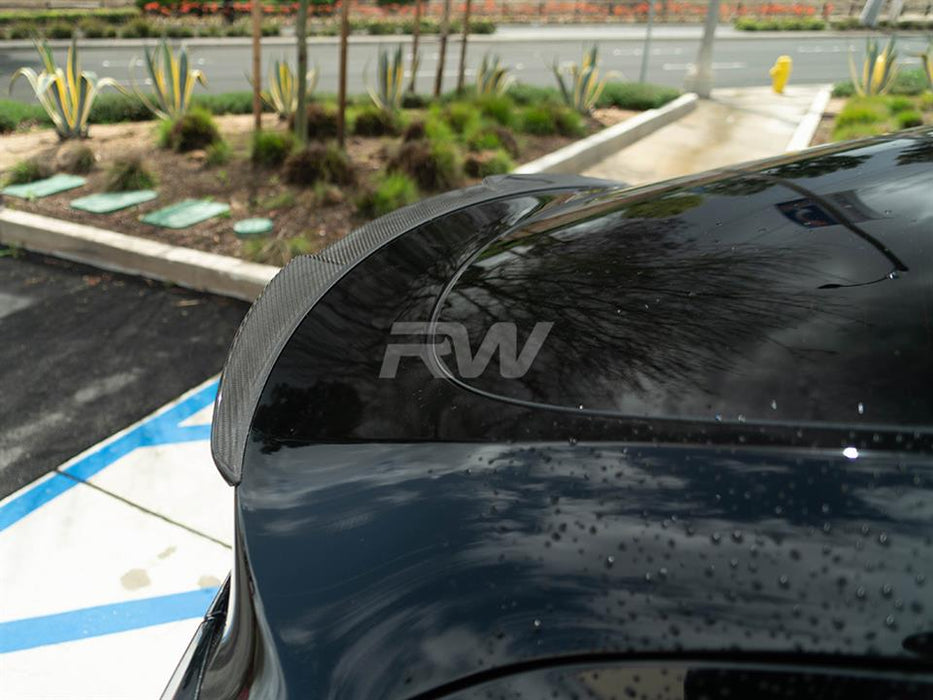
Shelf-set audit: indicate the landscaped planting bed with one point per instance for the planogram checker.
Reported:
(314, 196)
(906, 104)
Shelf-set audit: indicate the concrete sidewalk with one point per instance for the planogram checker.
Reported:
(737, 125)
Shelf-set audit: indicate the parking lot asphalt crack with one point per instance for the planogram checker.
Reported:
(145, 510)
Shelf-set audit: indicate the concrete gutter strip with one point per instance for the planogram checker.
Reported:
(118, 252)
(584, 154)
(807, 127)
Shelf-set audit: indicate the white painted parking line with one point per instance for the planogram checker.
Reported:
(110, 561)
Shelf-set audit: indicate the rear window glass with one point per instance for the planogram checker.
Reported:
(800, 293)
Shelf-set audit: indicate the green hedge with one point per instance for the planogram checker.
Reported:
(637, 96)
(114, 107)
(13, 114)
(112, 16)
(785, 24)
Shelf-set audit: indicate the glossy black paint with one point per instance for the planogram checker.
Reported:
(663, 482)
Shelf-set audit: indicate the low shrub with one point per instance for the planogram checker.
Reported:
(493, 138)
(780, 24)
(434, 166)
(436, 127)
(858, 131)
(909, 81)
(844, 23)
(20, 31)
(524, 95)
(498, 108)
(322, 122)
(863, 110)
(378, 27)
(392, 192)
(488, 163)
(276, 251)
(242, 28)
(115, 107)
(179, 31)
(271, 148)
(317, 163)
(844, 88)
(338, 167)
(415, 131)
(237, 102)
(569, 123)
(908, 118)
(636, 96)
(92, 28)
(129, 174)
(461, 116)
(218, 153)
(78, 159)
(59, 30)
(899, 103)
(477, 26)
(539, 121)
(13, 114)
(428, 26)
(190, 132)
(26, 171)
(926, 101)
(412, 100)
(270, 28)
(482, 26)
(372, 121)
(483, 139)
(139, 28)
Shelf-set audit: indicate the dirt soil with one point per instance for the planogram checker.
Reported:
(249, 191)
(824, 131)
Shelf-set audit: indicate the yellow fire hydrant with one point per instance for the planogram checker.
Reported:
(780, 73)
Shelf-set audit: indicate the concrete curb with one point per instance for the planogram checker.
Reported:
(586, 153)
(118, 252)
(807, 127)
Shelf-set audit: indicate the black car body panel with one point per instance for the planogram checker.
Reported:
(719, 455)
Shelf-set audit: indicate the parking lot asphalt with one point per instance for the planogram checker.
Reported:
(85, 353)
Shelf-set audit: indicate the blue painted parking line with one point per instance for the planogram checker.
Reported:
(74, 625)
(161, 429)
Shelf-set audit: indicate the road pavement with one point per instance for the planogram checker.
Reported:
(87, 353)
(740, 59)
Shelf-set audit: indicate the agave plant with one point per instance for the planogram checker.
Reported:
(173, 80)
(492, 78)
(586, 87)
(282, 95)
(878, 70)
(66, 94)
(926, 59)
(389, 84)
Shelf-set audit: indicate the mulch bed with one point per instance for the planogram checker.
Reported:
(248, 190)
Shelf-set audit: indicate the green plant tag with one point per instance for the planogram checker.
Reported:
(45, 188)
(109, 202)
(186, 213)
(251, 228)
